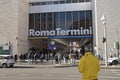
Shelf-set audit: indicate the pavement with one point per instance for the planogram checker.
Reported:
(48, 64)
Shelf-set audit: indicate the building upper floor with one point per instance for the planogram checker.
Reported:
(52, 2)
(45, 6)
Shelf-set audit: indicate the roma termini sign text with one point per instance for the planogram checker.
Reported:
(60, 32)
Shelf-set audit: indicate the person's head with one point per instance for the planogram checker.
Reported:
(88, 48)
(82, 51)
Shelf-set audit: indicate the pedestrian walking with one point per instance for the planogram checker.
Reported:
(89, 65)
(70, 58)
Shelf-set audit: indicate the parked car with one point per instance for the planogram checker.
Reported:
(6, 61)
(113, 61)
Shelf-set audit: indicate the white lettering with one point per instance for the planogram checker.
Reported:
(90, 30)
(63, 32)
(68, 32)
(52, 33)
(37, 33)
(59, 31)
(81, 30)
(75, 32)
(86, 31)
(42, 33)
(31, 32)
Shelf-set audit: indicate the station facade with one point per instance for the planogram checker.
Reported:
(35, 23)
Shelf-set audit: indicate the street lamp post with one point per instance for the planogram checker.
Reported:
(105, 39)
(117, 44)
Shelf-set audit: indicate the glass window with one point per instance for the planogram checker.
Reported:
(87, 0)
(62, 2)
(68, 20)
(88, 21)
(62, 20)
(49, 21)
(75, 20)
(37, 21)
(31, 21)
(53, 26)
(56, 20)
(30, 4)
(74, 1)
(82, 19)
(68, 1)
(43, 3)
(33, 4)
(37, 3)
(49, 3)
(91, 18)
(81, 0)
(55, 2)
(43, 21)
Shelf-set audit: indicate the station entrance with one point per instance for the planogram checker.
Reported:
(64, 44)
(64, 32)
(69, 42)
(69, 48)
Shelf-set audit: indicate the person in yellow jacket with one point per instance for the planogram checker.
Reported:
(89, 65)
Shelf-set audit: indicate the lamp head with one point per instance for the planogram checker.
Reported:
(102, 18)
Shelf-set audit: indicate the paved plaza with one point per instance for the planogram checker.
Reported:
(51, 72)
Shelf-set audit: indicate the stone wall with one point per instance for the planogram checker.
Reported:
(14, 24)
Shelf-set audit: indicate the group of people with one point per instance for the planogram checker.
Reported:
(45, 55)
(68, 57)
(33, 55)
(88, 65)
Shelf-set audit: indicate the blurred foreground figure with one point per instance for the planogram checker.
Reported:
(89, 65)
